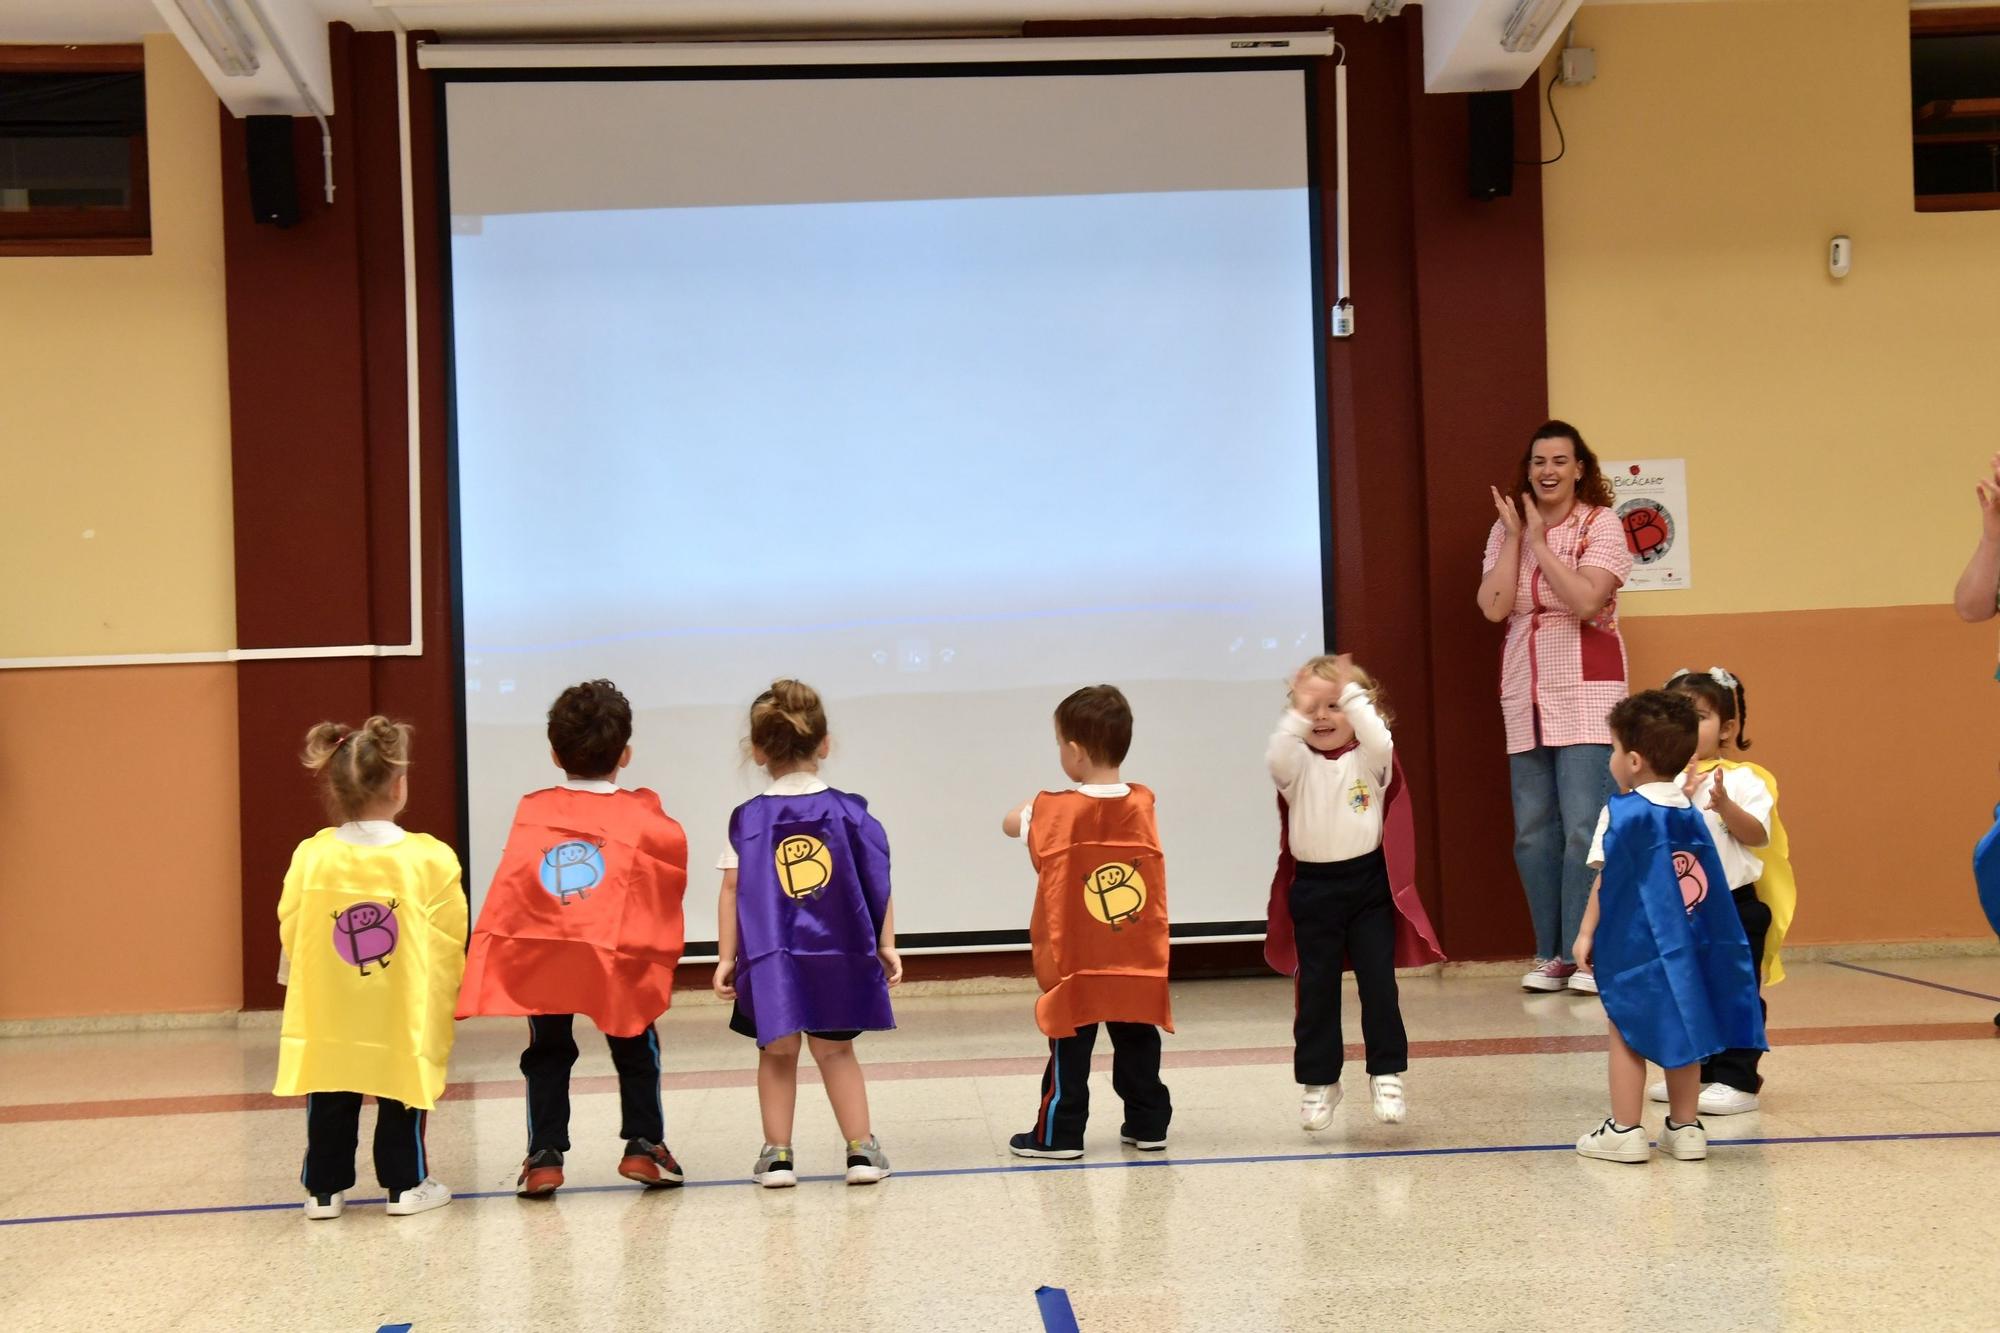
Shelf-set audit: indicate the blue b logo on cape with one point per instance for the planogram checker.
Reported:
(572, 869)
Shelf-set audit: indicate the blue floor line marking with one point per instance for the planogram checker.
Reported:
(1057, 1316)
(1914, 981)
(1130, 1164)
(393, 1328)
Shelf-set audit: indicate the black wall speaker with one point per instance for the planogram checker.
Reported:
(274, 187)
(1491, 120)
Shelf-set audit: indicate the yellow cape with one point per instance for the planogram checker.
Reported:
(376, 938)
(1777, 890)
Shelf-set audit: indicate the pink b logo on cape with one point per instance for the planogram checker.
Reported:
(1694, 880)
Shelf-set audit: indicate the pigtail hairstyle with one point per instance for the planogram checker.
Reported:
(1722, 690)
(356, 765)
(787, 723)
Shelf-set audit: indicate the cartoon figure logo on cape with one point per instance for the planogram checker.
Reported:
(1115, 893)
(1416, 942)
(572, 868)
(366, 933)
(1693, 879)
(804, 865)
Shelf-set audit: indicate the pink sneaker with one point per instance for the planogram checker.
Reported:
(1549, 975)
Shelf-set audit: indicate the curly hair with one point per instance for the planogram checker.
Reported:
(1591, 487)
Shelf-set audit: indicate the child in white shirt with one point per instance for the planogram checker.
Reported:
(1332, 759)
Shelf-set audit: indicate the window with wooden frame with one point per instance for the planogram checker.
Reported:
(1955, 108)
(73, 151)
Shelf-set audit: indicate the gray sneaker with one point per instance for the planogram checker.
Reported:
(774, 1169)
(866, 1162)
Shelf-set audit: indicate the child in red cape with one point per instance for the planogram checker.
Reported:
(584, 917)
(1345, 890)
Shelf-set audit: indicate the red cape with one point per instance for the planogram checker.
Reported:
(584, 913)
(1416, 942)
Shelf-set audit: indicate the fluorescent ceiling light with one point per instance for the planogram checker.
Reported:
(215, 24)
(1528, 22)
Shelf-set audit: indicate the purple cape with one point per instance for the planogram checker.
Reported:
(812, 888)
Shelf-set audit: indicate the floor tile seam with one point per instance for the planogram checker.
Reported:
(991, 1067)
(1047, 1168)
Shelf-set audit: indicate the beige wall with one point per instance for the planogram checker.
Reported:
(118, 785)
(1832, 427)
(116, 422)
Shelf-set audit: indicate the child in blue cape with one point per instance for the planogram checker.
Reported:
(1672, 960)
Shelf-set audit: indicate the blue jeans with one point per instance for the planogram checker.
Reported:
(1558, 793)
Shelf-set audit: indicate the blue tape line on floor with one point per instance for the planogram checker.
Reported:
(1057, 1317)
(1025, 1168)
(393, 1328)
(1914, 981)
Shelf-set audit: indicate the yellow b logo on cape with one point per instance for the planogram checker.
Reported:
(1114, 893)
(804, 866)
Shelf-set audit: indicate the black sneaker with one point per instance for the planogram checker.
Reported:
(1142, 1142)
(541, 1175)
(650, 1164)
(1025, 1145)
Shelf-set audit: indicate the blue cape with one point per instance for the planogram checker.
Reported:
(1673, 964)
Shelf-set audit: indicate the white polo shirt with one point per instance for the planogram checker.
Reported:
(1665, 794)
(792, 784)
(1335, 805)
(1103, 791)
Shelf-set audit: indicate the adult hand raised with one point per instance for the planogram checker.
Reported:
(1510, 517)
(1988, 491)
(1532, 526)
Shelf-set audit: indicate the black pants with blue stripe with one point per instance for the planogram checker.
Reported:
(333, 1128)
(546, 1065)
(1135, 1077)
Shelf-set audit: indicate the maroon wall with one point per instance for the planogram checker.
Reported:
(1443, 380)
(319, 449)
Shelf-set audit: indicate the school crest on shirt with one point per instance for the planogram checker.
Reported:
(1114, 893)
(1359, 798)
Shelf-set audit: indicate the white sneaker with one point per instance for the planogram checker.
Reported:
(1608, 1143)
(1685, 1143)
(421, 1199)
(1390, 1107)
(1316, 1107)
(1721, 1099)
(1657, 1092)
(1583, 981)
(319, 1207)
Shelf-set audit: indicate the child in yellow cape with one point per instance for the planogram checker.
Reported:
(373, 922)
(1740, 801)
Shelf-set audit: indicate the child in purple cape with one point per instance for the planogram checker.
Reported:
(806, 936)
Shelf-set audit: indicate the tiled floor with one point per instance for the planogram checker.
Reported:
(151, 1184)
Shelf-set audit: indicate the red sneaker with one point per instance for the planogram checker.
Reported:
(1549, 975)
(650, 1164)
(541, 1175)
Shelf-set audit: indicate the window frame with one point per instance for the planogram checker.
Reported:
(1961, 22)
(83, 231)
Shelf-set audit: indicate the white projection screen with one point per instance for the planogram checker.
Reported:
(945, 391)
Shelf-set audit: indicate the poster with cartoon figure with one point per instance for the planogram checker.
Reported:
(1649, 495)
